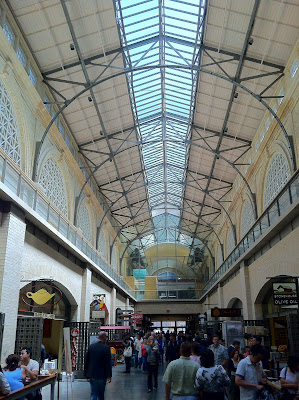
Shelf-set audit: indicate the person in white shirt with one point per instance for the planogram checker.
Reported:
(137, 346)
(250, 375)
(289, 376)
(31, 368)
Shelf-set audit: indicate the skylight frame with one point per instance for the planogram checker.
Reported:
(177, 92)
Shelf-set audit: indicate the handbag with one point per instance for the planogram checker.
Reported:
(128, 351)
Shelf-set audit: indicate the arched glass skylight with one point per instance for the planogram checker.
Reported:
(158, 40)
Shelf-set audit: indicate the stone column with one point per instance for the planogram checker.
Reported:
(112, 306)
(220, 295)
(127, 303)
(85, 295)
(245, 289)
(12, 238)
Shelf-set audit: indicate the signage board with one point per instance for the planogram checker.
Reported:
(285, 293)
(74, 332)
(40, 295)
(98, 314)
(225, 312)
(137, 317)
(44, 315)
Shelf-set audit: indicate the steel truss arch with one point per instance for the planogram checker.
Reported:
(237, 83)
(171, 66)
(199, 189)
(158, 229)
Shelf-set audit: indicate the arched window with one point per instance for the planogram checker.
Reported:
(84, 221)
(247, 219)
(52, 181)
(114, 259)
(230, 242)
(219, 256)
(277, 176)
(167, 276)
(102, 244)
(9, 133)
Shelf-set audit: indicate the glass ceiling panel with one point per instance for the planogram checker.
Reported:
(163, 99)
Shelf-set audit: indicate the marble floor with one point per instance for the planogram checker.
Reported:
(123, 386)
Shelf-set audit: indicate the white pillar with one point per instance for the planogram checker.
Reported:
(245, 290)
(112, 306)
(12, 237)
(127, 303)
(220, 296)
(85, 296)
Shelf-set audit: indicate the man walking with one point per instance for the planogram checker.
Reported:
(98, 367)
(180, 376)
(250, 375)
(220, 352)
(172, 349)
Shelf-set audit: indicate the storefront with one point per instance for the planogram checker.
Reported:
(43, 311)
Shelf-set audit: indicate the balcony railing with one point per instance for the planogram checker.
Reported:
(20, 185)
(288, 195)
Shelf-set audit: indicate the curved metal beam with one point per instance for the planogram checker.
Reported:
(201, 190)
(144, 68)
(159, 229)
(90, 85)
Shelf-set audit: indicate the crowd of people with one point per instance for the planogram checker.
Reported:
(201, 369)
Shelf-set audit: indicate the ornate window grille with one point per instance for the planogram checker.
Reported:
(102, 244)
(230, 243)
(247, 219)
(52, 181)
(9, 133)
(84, 221)
(219, 256)
(277, 176)
(114, 259)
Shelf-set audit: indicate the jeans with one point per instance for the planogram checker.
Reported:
(97, 387)
(137, 359)
(152, 371)
(144, 363)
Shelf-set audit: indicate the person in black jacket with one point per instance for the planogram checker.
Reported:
(172, 349)
(98, 367)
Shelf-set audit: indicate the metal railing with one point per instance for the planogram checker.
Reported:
(276, 209)
(25, 189)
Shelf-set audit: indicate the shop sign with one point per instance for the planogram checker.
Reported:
(98, 306)
(40, 295)
(44, 315)
(98, 314)
(225, 312)
(137, 318)
(285, 293)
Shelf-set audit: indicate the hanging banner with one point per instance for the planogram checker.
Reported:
(285, 293)
(42, 296)
(98, 307)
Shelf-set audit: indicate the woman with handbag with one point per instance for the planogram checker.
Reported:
(128, 351)
(289, 377)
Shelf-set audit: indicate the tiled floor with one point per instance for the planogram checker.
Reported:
(131, 386)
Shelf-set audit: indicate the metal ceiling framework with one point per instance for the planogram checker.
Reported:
(163, 56)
